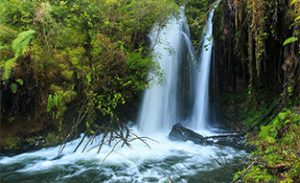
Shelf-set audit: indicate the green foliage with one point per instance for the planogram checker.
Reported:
(7, 34)
(58, 101)
(20, 82)
(19, 47)
(91, 56)
(13, 87)
(108, 104)
(256, 174)
(52, 139)
(18, 14)
(278, 146)
(12, 142)
(196, 12)
(7, 68)
(140, 67)
(290, 40)
(20, 44)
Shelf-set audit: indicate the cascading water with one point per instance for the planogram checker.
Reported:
(180, 161)
(199, 118)
(159, 106)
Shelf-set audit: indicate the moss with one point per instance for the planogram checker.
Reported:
(52, 139)
(257, 175)
(14, 144)
(276, 158)
(11, 143)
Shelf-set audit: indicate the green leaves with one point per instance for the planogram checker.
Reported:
(290, 40)
(7, 68)
(108, 104)
(58, 100)
(20, 81)
(19, 47)
(13, 87)
(56, 103)
(3, 47)
(268, 133)
(20, 44)
(278, 145)
(96, 48)
(7, 33)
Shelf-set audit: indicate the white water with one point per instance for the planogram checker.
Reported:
(159, 106)
(178, 160)
(138, 163)
(199, 118)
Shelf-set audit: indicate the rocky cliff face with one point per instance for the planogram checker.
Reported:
(252, 66)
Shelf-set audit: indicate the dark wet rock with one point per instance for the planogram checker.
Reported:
(232, 140)
(181, 133)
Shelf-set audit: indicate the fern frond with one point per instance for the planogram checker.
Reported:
(22, 41)
(19, 46)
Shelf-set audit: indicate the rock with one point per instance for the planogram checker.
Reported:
(232, 140)
(180, 133)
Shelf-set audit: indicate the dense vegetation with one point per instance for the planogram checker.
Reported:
(92, 57)
(257, 81)
(75, 66)
(58, 57)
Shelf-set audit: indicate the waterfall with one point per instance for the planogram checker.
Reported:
(159, 110)
(106, 158)
(199, 118)
(165, 103)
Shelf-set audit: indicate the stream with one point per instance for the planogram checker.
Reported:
(178, 161)
(157, 159)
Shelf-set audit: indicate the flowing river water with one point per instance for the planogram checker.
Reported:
(178, 161)
(160, 160)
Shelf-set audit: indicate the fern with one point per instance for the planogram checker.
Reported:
(19, 46)
(22, 41)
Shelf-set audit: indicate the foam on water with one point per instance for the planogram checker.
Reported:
(135, 163)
